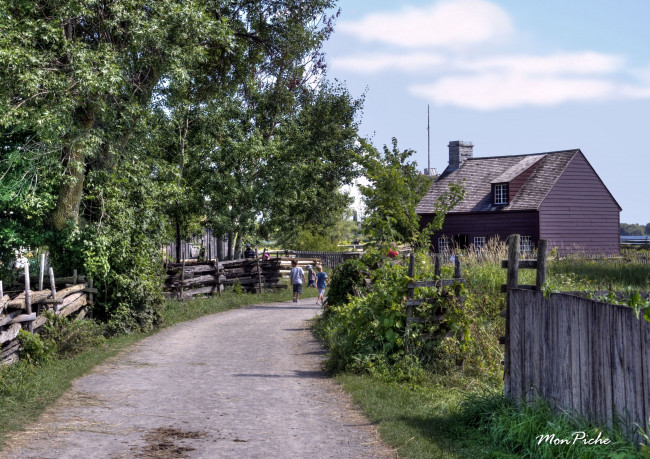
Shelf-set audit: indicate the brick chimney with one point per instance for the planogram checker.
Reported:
(459, 151)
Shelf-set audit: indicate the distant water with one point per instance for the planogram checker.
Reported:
(635, 238)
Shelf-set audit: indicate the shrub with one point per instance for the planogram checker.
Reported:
(72, 336)
(35, 349)
(347, 280)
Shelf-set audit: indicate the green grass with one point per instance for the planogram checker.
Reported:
(27, 390)
(604, 274)
(443, 420)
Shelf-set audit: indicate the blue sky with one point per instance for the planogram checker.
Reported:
(511, 76)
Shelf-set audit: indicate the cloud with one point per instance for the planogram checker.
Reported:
(447, 24)
(496, 91)
(379, 62)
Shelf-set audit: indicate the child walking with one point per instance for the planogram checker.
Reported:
(321, 282)
(297, 277)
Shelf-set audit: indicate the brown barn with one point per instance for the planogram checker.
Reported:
(555, 196)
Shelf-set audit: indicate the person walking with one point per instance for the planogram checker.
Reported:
(311, 276)
(322, 281)
(297, 276)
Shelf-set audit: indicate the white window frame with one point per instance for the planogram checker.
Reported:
(479, 243)
(526, 244)
(501, 193)
(443, 244)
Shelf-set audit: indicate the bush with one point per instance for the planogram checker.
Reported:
(72, 336)
(35, 349)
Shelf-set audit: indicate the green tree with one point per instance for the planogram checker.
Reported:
(394, 190)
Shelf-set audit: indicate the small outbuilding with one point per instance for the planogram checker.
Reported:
(556, 196)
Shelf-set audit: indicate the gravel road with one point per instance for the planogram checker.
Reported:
(245, 383)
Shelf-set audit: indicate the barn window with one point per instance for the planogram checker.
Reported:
(500, 192)
(479, 243)
(526, 244)
(443, 244)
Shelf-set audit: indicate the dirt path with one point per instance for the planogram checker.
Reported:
(245, 383)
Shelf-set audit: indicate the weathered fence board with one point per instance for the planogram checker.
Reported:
(580, 354)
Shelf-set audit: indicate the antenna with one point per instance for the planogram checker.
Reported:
(428, 143)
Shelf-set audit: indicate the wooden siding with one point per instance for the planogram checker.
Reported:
(579, 214)
(488, 224)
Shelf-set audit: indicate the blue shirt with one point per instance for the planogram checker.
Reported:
(320, 279)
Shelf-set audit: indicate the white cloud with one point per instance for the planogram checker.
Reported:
(379, 62)
(450, 24)
(495, 91)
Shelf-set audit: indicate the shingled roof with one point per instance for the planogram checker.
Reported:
(478, 175)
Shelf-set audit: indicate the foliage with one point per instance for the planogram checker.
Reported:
(34, 349)
(347, 280)
(71, 336)
(634, 229)
(394, 190)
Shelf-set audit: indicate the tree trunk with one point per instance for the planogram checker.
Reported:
(238, 244)
(219, 249)
(70, 190)
(178, 241)
(231, 241)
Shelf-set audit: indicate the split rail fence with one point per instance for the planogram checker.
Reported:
(412, 303)
(579, 354)
(67, 296)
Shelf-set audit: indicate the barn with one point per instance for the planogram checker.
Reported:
(556, 196)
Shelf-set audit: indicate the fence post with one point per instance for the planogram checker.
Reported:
(541, 264)
(1, 292)
(409, 309)
(182, 275)
(458, 272)
(42, 272)
(53, 288)
(28, 298)
(512, 282)
(438, 266)
(259, 277)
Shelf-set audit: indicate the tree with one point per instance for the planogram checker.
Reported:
(394, 191)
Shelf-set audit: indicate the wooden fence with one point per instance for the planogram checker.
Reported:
(412, 303)
(192, 248)
(66, 296)
(576, 353)
(329, 259)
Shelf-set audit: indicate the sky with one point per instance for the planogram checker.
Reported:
(511, 76)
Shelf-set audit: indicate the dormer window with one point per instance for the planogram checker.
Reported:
(500, 193)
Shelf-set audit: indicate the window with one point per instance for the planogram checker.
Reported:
(443, 244)
(526, 244)
(501, 194)
(479, 243)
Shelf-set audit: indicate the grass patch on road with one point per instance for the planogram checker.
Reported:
(27, 390)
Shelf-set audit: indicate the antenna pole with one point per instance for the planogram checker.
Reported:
(428, 143)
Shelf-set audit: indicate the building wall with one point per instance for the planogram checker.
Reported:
(487, 224)
(579, 214)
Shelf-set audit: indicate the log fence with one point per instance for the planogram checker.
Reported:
(25, 309)
(590, 357)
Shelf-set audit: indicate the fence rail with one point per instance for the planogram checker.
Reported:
(329, 259)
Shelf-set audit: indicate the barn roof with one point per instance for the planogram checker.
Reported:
(478, 175)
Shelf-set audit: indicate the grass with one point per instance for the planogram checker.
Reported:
(27, 390)
(441, 419)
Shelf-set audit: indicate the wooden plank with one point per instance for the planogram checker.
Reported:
(542, 246)
(545, 343)
(586, 372)
(576, 357)
(7, 318)
(40, 320)
(525, 264)
(209, 290)
(598, 404)
(436, 283)
(513, 261)
(531, 387)
(516, 339)
(24, 318)
(73, 306)
(563, 344)
(635, 402)
(645, 362)
(28, 299)
(41, 273)
(10, 333)
(604, 330)
(618, 372)
(70, 290)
